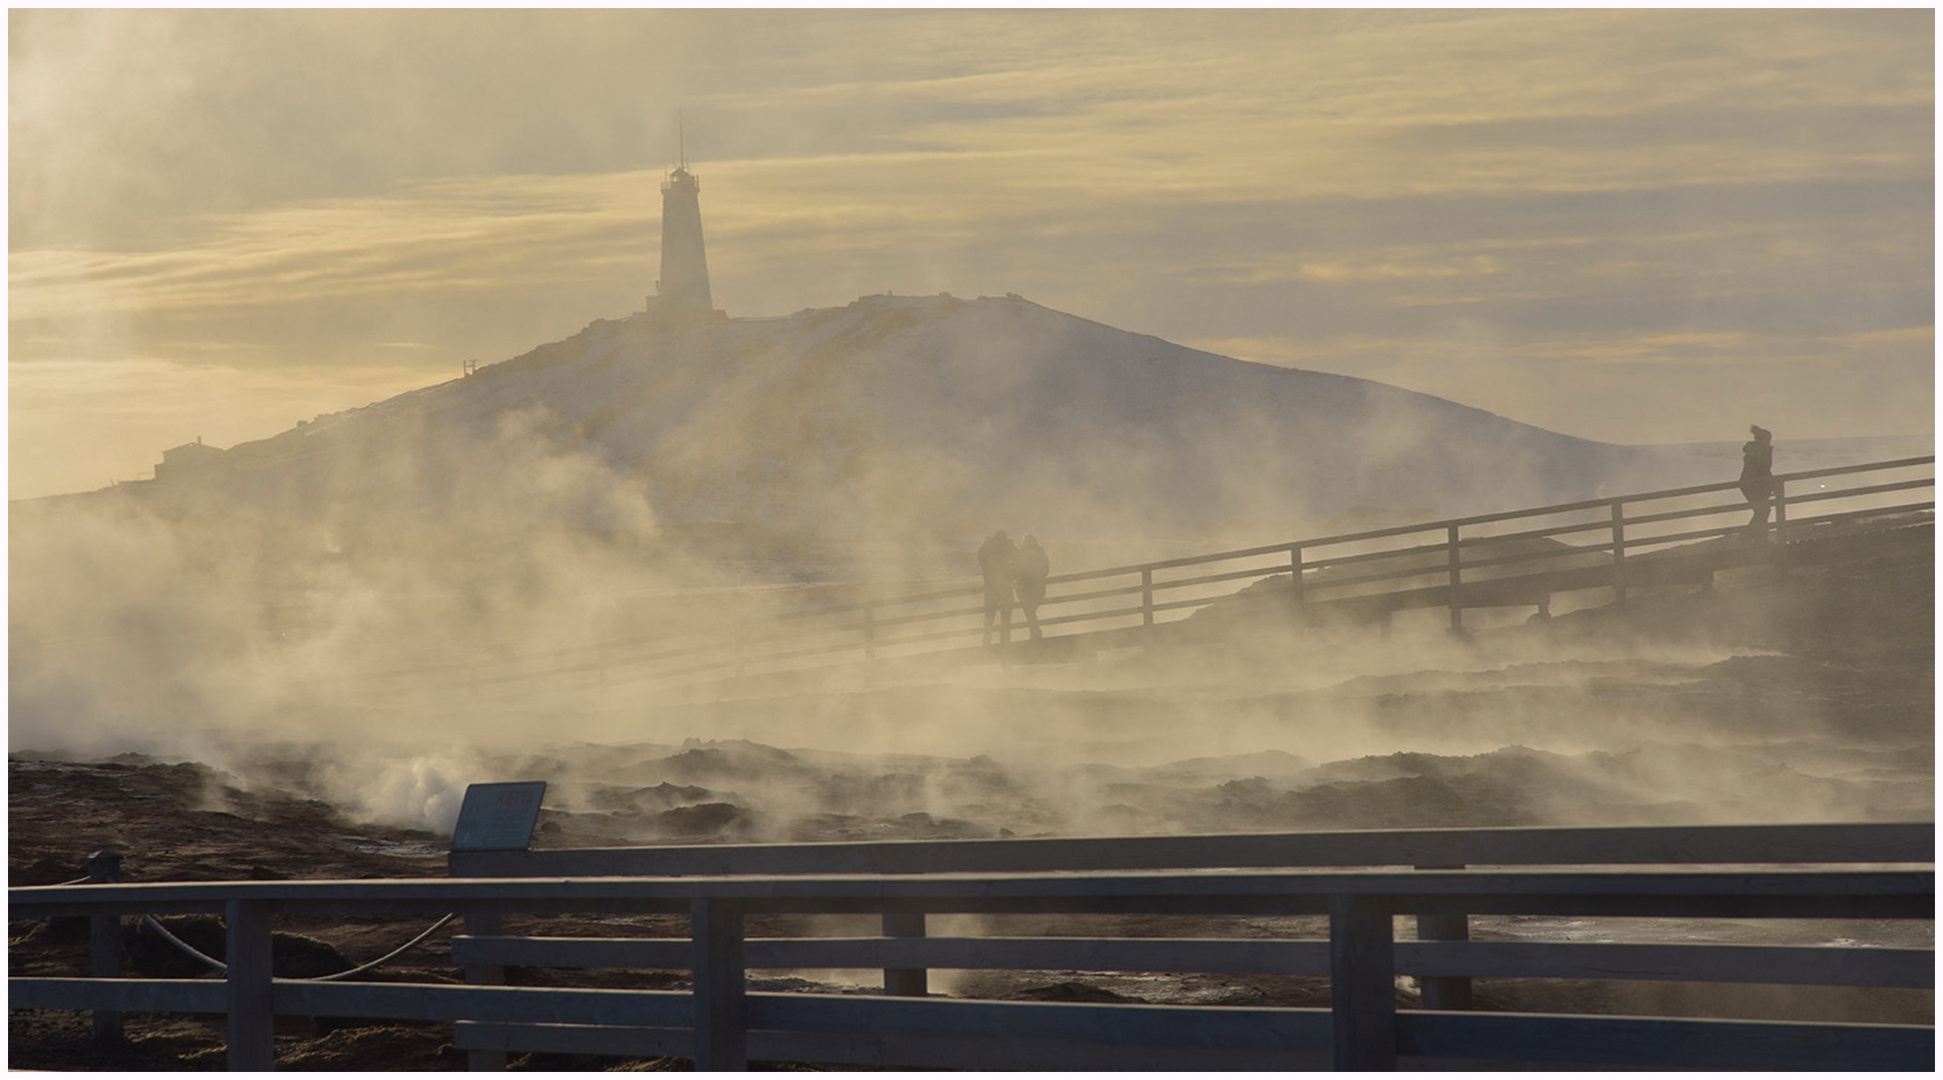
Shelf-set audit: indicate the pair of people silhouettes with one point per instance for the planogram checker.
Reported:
(1757, 479)
(1012, 571)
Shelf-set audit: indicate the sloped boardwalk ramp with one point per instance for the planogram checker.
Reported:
(1521, 558)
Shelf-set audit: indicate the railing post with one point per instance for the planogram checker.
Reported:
(1780, 506)
(252, 1042)
(1146, 596)
(1619, 552)
(104, 942)
(485, 924)
(1295, 574)
(1362, 982)
(1456, 579)
(905, 982)
(721, 1031)
(1444, 991)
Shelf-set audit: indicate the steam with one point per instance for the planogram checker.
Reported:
(432, 591)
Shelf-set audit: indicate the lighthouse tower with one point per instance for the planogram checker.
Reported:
(683, 287)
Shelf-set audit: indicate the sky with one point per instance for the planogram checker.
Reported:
(1632, 226)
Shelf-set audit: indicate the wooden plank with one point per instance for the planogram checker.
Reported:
(1362, 983)
(477, 1037)
(1800, 965)
(906, 980)
(523, 894)
(889, 1050)
(424, 1001)
(1729, 844)
(1197, 1026)
(104, 962)
(721, 1007)
(1235, 956)
(1808, 965)
(122, 995)
(1092, 954)
(104, 943)
(1448, 989)
(1678, 1043)
(1749, 894)
(252, 1044)
(484, 974)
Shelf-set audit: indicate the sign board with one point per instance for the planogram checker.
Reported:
(498, 817)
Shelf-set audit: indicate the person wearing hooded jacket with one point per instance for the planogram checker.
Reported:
(995, 558)
(1029, 571)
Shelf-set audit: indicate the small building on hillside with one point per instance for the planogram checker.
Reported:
(189, 459)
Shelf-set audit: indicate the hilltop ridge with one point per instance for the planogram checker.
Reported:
(914, 415)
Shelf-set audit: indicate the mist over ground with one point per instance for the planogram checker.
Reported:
(352, 610)
(1774, 697)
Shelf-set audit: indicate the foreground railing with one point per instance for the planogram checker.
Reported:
(721, 1024)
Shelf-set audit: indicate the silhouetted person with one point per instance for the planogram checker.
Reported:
(995, 558)
(1029, 572)
(1757, 479)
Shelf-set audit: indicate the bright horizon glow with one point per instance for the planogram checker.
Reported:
(1632, 226)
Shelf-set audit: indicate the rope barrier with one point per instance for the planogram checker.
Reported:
(367, 967)
(183, 945)
(222, 967)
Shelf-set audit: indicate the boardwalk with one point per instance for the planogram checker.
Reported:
(1622, 546)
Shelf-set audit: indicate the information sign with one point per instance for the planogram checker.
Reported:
(498, 817)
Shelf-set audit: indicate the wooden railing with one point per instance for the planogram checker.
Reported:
(1513, 558)
(723, 1025)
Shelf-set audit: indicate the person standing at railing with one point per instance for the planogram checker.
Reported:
(996, 557)
(1757, 479)
(1029, 577)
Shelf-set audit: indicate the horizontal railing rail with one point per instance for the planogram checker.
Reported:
(1801, 965)
(1815, 843)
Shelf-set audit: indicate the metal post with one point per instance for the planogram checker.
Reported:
(1780, 506)
(721, 1032)
(104, 943)
(1146, 597)
(252, 1042)
(485, 924)
(905, 982)
(1619, 552)
(1456, 579)
(1295, 574)
(1362, 982)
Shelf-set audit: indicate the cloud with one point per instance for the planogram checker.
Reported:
(295, 190)
(79, 425)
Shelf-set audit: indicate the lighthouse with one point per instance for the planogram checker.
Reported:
(683, 287)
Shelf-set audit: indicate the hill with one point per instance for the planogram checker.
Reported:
(899, 416)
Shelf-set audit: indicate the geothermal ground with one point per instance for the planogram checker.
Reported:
(1779, 696)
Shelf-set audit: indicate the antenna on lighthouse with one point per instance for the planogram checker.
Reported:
(681, 139)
